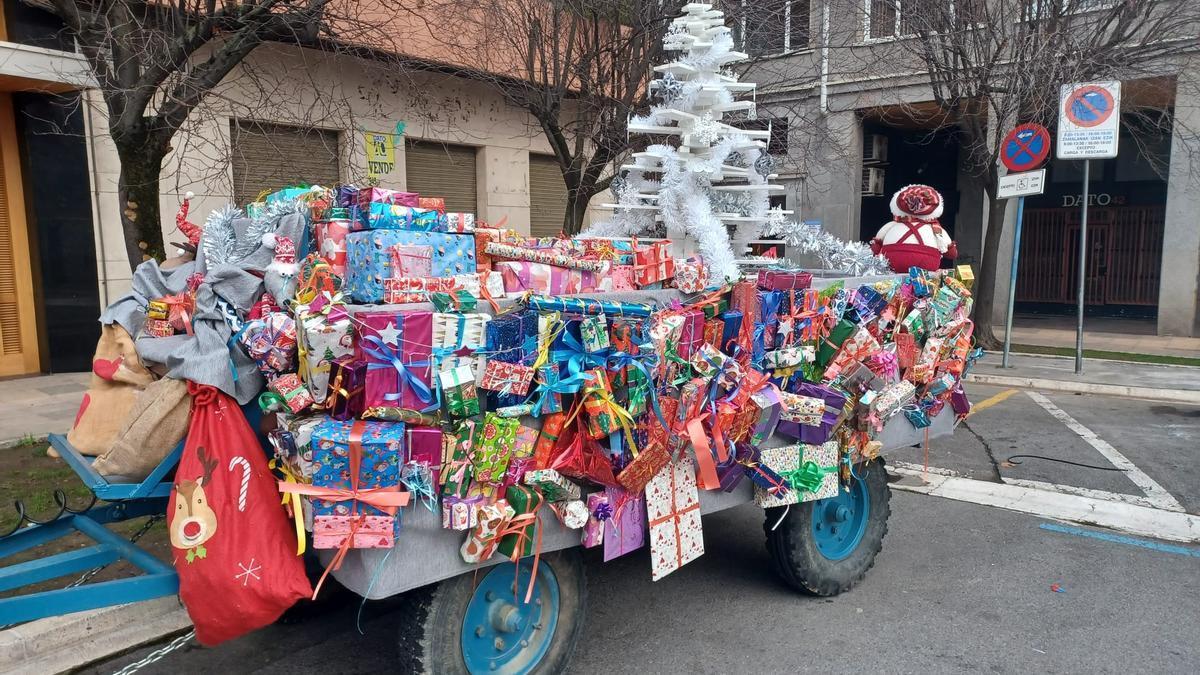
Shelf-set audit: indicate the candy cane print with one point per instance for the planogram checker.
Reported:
(233, 463)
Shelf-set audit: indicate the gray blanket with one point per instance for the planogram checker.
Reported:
(206, 356)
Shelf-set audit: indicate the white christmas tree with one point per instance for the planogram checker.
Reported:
(713, 184)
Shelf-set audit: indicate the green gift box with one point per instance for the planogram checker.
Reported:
(525, 501)
(457, 471)
(458, 391)
(460, 300)
(593, 332)
(830, 346)
(493, 447)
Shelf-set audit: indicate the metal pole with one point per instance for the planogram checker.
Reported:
(1012, 282)
(1082, 271)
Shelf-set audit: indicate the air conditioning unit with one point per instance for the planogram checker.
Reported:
(872, 181)
(875, 149)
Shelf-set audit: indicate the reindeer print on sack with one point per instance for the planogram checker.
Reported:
(194, 521)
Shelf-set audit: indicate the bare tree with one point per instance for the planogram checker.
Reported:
(155, 62)
(578, 67)
(995, 63)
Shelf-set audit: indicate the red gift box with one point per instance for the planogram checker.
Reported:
(653, 263)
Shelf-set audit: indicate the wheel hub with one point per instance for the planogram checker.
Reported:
(502, 633)
(839, 522)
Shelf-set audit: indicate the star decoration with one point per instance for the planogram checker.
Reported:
(390, 335)
(669, 88)
(247, 572)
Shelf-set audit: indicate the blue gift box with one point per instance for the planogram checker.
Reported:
(383, 452)
(380, 216)
(510, 338)
(368, 262)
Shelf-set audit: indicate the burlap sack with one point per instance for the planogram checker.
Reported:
(154, 427)
(117, 377)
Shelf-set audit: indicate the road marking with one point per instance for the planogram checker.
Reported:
(1155, 492)
(1128, 518)
(1118, 539)
(1136, 500)
(998, 398)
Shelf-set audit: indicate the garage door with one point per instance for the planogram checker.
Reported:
(442, 170)
(267, 157)
(547, 196)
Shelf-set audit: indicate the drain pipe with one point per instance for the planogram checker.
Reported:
(98, 228)
(825, 57)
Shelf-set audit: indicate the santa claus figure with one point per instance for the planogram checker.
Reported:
(914, 238)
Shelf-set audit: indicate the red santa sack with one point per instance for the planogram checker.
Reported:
(235, 549)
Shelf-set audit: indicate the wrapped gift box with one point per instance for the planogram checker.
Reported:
(424, 445)
(506, 378)
(493, 447)
(781, 280)
(553, 485)
(482, 542)
(345, 397)
(653, 263)
(377, 216)
(379, 449)
(271, 342)
(809, 470)
(369, 260)
(835, 403)
(525, 501)
(691, 275)
(402, 290)
(330, 239)
(378, 195)
(410, 260)
(625, 529)
(295, 395)
(458, 222)
(521, 277)
(457, 470)
(397, 349)
(673, 513)
(547, 442)
(324, 334)
(434, 203)
(572, 514)
(458, 392)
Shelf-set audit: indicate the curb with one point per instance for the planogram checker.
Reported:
(63, 643)
(22, 440)
(1149, 393)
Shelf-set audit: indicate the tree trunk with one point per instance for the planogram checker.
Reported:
(985, 285)
(138, 193)
(577, 205)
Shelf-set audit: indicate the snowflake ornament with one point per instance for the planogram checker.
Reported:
(669, 89)
(706, 130)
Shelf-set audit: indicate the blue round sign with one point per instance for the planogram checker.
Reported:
(1025, 148)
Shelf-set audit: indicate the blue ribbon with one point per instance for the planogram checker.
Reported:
(542, 399)
(644, 362)
(382, 352)
(577, 357)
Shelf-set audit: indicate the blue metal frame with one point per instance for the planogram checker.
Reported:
(503, 634)
(838, 523)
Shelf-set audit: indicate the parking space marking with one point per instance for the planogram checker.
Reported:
(998, 398)
(1129, 518)
(1157, 495)
(1118, 539)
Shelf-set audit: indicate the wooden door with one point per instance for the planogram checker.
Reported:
(18, 323)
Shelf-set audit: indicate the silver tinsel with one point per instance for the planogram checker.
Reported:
(854, 257)
(618, 184)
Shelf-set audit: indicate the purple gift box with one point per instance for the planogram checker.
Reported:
(625, 531)
(383, 196)
(397, 347)
(347, 383)
(732, 472)
(835, 400)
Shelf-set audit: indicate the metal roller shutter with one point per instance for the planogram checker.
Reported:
(442, 170)
(547, 196)
(270, 156)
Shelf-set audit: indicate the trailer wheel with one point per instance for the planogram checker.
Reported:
(826, 547)
(478, 624)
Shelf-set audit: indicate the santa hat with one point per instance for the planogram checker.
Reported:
(917, 201)
(284, 261)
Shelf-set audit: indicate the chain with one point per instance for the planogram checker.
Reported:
(158, 654)
(87, 576)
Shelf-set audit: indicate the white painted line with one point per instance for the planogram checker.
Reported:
(1129, 518)
(1155, 492)
(1185, 396)
(1137, 500)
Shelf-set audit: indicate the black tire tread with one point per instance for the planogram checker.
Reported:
(793, 553)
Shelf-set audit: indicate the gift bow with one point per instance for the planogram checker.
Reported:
(386, 357)
(808, 476)
(644, 363)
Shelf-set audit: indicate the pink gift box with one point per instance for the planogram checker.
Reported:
(385, 196)
(506, 378)
(425, 446)
(411, 261)
(625, 531)
(543, 279)
(372, 532)
(330, 236)
(623, 278)
(397, 347)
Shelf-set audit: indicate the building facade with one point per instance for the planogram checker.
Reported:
(863, 124)
(288, 116)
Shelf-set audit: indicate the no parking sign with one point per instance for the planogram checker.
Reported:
(1089, 120)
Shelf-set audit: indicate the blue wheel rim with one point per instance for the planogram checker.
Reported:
(838, 523)
(503, 634)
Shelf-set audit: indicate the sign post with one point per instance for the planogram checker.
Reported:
(1089, 124)
(1024, 149)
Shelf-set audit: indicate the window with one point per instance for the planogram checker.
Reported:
(770, 27)
(895, 18)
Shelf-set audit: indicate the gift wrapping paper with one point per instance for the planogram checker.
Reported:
(506, 378)
(524, 500)
(293, 392)
(494, 447)
(545, 256)
(625, 529)
(458, 222)
(804, 410)
(458, 448)
(572, 514)
(673, 514)
(810, 472)
(835, 402)
(554, 486)
(324, 334)
(782, 280)
(653, 263)
(369, 260)
(381, 448)
(589, 306)
(482, 542)
(405, 290)
(330, 239)
(544, 279)
(409, 260)
(459, 398)
(691, 275)
(397, 347)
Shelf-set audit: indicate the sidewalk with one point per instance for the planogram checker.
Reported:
(1100, 333)
(1176, 384)
(39, 405)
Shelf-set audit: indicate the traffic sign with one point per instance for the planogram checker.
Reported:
(1025, 148)
(1021, 184)
(1089, 120)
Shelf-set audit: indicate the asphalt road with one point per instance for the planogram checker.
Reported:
(958, 586)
